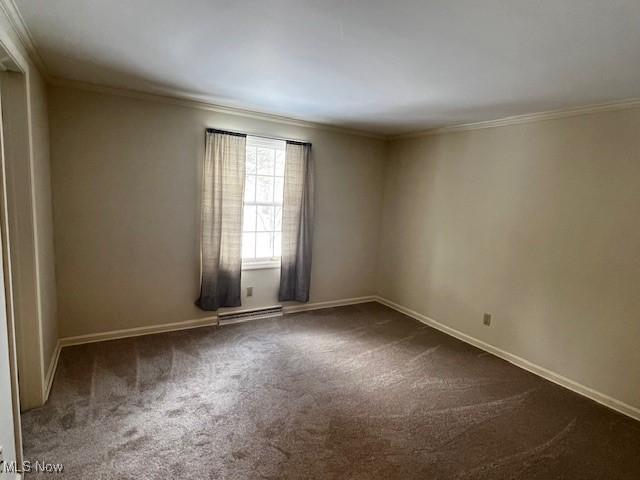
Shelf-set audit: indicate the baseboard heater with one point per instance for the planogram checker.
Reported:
(246, 315)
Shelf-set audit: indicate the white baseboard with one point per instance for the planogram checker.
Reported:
(139, 331)
(554, 377)
(51, 371)
(304, 307)
(201, 322)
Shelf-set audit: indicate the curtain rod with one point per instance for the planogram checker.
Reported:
(240, 134)
(226, 132)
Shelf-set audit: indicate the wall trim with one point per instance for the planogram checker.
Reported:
(199, 322)
(305, 307)
(139, 331)
(182, 99)
(51, 371)
(525, 118)
(175, 97)
(19, 25)
(545, 373)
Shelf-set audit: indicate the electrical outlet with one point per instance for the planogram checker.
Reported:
(486, 319)
(249, 291)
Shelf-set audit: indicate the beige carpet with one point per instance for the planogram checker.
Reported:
(358, 392)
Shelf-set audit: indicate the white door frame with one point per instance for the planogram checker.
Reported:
(5, 264)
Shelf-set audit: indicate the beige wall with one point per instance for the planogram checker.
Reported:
(126, 186)
(537, 224)
(43, 220)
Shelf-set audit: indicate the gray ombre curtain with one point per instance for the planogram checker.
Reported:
(297, 223)
(222, 197)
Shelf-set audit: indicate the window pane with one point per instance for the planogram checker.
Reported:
(251, 160)
(265, 218)
(278, 219)
(248, 245)
(264, 184)
(265, 161)
(264, 189)
(250, 188)
(280, 163)
(249, 218)
(277, 244)
(264, 245)
(279, 190)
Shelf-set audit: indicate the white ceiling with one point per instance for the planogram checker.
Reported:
(385, 66)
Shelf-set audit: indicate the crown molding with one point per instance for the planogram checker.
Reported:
(172, 97)
(179, 98)
(183, 100)
(17, 22)
(525, 118)
(175, 97)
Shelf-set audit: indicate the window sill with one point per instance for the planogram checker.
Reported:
(269, 264)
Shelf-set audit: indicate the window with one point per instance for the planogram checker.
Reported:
(263, 195)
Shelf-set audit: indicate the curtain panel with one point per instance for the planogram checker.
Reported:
(297, 223)
(221, 221)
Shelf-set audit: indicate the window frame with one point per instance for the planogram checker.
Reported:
(259, 263)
